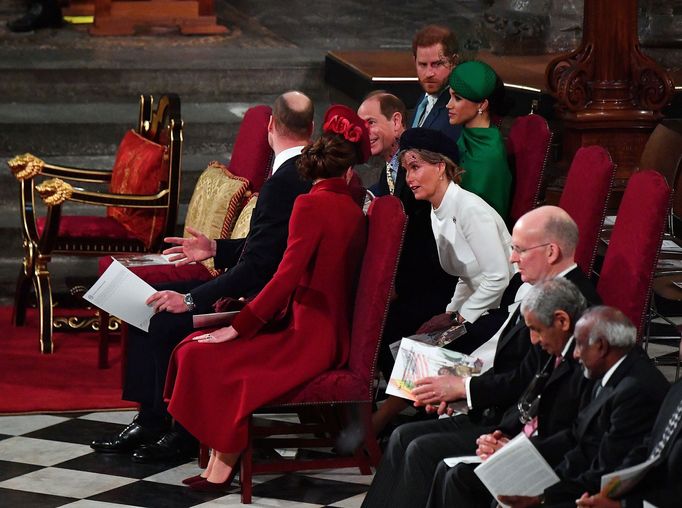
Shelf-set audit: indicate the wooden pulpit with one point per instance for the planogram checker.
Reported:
(126, 17)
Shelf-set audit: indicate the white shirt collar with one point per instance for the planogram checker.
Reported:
(567, 347)
(564, 272)
(610, 372)
(284, 156)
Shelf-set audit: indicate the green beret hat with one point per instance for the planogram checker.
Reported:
(474, 81)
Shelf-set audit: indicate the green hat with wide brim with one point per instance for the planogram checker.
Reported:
(474, 81)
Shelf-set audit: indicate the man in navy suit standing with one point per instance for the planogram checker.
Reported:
(435, 55)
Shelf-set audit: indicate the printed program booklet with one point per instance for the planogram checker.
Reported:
(416, 360)
(517, 469)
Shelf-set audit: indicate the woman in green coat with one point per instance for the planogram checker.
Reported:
(481, 147)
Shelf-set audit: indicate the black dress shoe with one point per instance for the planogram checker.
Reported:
(130, 438)
(171, 447)
(41, 14)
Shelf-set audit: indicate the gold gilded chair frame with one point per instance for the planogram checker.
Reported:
(162, 125)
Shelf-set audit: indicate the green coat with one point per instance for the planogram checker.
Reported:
(483, 157)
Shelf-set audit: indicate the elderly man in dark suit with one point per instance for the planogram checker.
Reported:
(435, 55)
(251, 262)
(551, 401)
(660, 484)
(626, 399)
(544, 242)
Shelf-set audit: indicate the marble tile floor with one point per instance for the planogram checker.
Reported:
(45, 461)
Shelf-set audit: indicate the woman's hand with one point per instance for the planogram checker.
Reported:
(217, 336)
(170, 301)
(435, 389)
(189, 250)
(437, 322)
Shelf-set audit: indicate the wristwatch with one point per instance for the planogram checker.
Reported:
(189, 302)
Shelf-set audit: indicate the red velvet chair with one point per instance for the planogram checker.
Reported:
(141, 205)
(630, 262)
(339, 398)
(585, 198)
(528, 145)
(250, 163)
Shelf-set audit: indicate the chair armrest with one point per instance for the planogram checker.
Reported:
(55, 192)
(27, 166)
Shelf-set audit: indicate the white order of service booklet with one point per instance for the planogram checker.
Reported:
(122, 294)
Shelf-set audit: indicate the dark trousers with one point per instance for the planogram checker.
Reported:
(403, 479)
(147, 357)
(458, 486)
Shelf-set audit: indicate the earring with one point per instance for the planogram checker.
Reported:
(480, 111)
(440, 177)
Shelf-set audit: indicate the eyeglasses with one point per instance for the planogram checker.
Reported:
(520, 251)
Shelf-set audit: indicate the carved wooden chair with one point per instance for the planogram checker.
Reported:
(141, 205)
(528, 146)
(338, 399)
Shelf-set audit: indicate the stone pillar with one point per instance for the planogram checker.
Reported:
(608, 92)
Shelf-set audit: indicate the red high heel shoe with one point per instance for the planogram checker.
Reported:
(204, 485)
(193, 479)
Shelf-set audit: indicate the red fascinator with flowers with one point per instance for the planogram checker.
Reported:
(343, 120)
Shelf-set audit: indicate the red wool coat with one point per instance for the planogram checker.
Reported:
(296, 328)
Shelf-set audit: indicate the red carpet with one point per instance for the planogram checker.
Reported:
(67, 380)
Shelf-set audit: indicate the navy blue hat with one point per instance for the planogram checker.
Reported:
(431, 140)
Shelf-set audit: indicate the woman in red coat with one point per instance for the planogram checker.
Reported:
(299, 324)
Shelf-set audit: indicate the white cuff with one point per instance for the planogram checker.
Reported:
(467, 381)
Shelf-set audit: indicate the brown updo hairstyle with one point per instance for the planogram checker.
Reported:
(453, 172)
(328, 157)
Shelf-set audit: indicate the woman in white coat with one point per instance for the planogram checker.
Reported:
(472, 239)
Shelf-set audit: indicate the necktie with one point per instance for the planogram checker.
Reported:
(670, 428)
(420, 114)
(596, 390)
(430, 101)
(389, 179)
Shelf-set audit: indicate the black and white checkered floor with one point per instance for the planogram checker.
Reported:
(45, 461)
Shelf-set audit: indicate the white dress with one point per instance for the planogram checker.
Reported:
(473, 244)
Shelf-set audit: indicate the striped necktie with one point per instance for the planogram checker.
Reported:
(670, 429)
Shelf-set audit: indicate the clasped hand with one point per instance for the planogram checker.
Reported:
(437, 322)
(198, 247)
(490, 443)
(217, 336)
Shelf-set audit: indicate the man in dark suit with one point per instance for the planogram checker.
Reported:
(435, 54)
(626, 399)
(422, 288)
(251, 262)
(660, 484)
(549, 404)
(544, 243)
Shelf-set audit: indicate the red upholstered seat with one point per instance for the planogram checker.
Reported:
(154, 274)
(528, 148)
(73, 226)
(585, 197)
(342, 391)
(252, 155)
(630, 261)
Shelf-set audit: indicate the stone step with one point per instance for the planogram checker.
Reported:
(97, 128)
(211, 74)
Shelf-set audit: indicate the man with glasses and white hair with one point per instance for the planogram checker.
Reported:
(543, 248)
